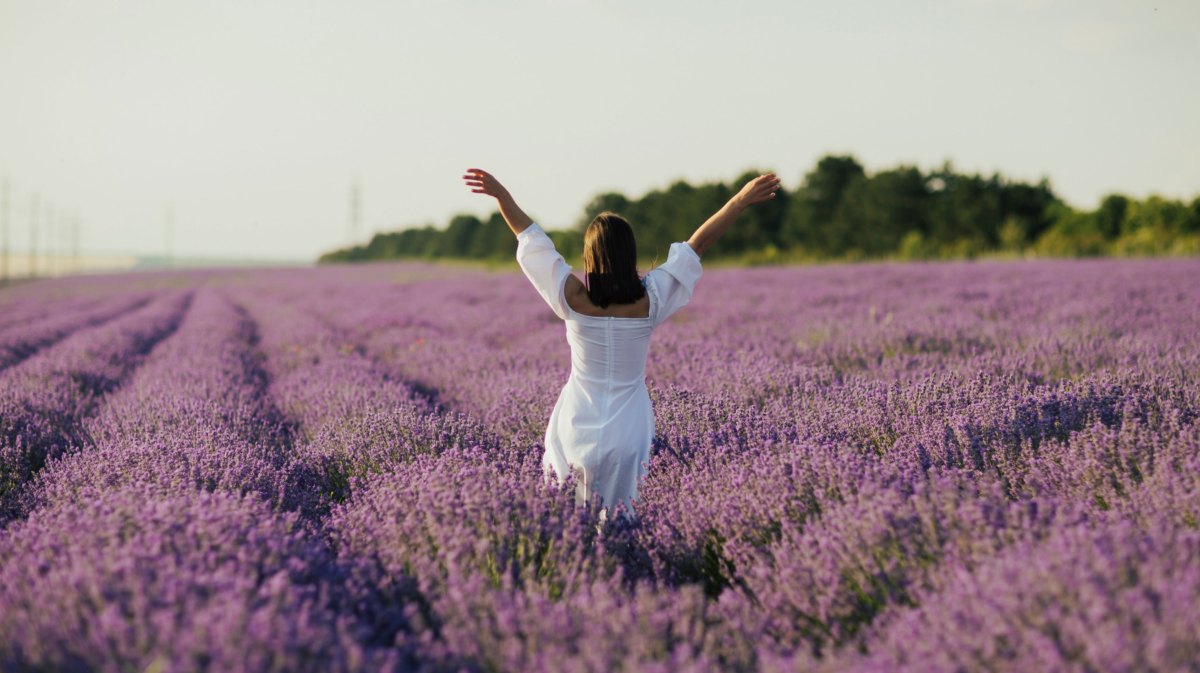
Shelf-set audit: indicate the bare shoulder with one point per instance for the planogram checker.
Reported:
(578, 300)
(574, 288)
(576, 294)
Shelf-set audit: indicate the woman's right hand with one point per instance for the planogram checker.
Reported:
(758, 190)
(482, 182)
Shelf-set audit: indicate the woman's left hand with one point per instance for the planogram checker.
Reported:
(759, 189)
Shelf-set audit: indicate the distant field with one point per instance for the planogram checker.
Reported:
(925, 467)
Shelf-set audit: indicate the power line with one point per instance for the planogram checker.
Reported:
(64, 226)
(77, 262)
(355, 211)
(4, 232)
(170, 225)
(49, 229)
(33, 235)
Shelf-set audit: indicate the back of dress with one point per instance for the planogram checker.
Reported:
(602, 423)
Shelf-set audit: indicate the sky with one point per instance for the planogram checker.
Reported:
(249, 122)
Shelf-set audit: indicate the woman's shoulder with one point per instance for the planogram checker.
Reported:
(579, 302)
(683, 252)
(682, 262)
(573, 289)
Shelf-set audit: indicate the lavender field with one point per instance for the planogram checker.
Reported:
(919, 467)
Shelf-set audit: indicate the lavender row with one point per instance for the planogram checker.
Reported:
(194, 416)
(1011, 403)
(23, 304)
(488, 567)
(1113, 596)
(176, 512)
(351, 419)
(45, 400)
(447, 539)
(138, 579)
(846, 458)
(22, 341)
(475, 344)
(976, 413)
(985, 421)
(904, 321)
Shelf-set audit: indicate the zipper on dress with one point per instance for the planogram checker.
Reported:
(608, 366)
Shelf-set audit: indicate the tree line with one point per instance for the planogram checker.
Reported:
(840, 211)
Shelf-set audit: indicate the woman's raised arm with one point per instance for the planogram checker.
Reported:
(482, 182)
(757, 190)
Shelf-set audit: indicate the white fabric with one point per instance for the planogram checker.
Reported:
(602, 424)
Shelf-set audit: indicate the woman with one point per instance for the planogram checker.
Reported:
(602, 424)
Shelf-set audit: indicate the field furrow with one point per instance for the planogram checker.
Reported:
(448, 343)
(19, 310)
(195, 416)
(194, 449)
(352, 418)
(446, 532)
(136, 578)
(20, 342)
(45, 400)
(23, 304)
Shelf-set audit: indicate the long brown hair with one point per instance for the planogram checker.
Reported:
(610, 261)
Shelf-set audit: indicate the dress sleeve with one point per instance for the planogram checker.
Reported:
(674, 280)
(544, 267)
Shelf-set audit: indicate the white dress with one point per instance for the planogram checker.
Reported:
(602, 424)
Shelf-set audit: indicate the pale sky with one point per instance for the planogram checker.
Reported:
(250, 120)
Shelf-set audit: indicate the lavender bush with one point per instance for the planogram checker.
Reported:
(194, 416)
(936, 467)
(23, 340)
(44, 401)
(136, 580)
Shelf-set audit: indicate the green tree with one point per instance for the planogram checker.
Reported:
(757, 229)
(1164, 216)
(877, 212)
(1110, 217)
(1192, 224)
(1031, 205)
(1153, 226)
(608, 201)
(458, 238)
(498, 240)
(813, 206)
(1073, 234)
(965, 212)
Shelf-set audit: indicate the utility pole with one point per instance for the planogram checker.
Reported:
(4, 232)
(63, 225)
(51, 262)
(54, 242)
(33, 231)
(77, 261)
(355, 207)
(170, 237)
